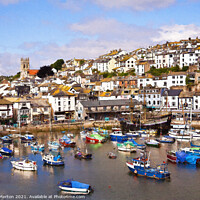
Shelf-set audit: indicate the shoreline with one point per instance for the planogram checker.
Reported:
(76, 126)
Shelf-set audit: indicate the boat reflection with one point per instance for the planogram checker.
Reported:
(25, 174)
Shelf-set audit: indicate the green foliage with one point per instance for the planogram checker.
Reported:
(82, 62)
(132, 72)
(108, 75)
(45, 71)
(185, 68)
(123, 74)
(188, 81)
(79, 72)
(158, 72)
(58, 64)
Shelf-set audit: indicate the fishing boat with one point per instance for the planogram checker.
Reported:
(166, 139)
(25, 165)
(74, 187)
(126, 147)
(5, 151)
(1, 157)
(171, 156)
(95, 138)
(83, 134)
(141, 167)
(66, 142)
(180, 135)
(111, 155)
(53, 145)
(118, 136)
(152, 143)
(81, 155)
(132, 134)
(27, 138)
(51, 159)
(6, 139)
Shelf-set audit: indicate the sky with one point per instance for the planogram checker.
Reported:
(47, 30)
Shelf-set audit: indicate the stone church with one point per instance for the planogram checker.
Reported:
(25, 70)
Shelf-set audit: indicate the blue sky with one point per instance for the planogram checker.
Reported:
(47, 30)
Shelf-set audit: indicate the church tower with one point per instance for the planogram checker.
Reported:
(24, 68)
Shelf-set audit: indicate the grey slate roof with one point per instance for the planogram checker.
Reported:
(100, 103)
(171, 92)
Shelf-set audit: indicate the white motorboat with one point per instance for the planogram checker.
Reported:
(26, 165)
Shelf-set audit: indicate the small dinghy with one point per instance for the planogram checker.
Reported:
(166, 139)
(5, 151)
(25, 165)
(111, 155)
(51, 159)
(74, 187)
(81, 155)
(1, 157)
(152, 143)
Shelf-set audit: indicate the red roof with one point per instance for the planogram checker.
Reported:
(33, 72)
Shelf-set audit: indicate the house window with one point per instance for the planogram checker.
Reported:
(69, 102)
(59, 109)
(173, 104)
(173, 76)
(59, 103)
(158, 102)
(45, 109)
(181, 81)
(181, 76)
(34, 109)
(173, 82)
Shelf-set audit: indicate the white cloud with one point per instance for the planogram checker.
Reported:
(177, 32)
(135, 4)
(140, 5)
(7, 2)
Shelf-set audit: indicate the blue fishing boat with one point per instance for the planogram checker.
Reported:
(51, 159)
(74, 187)
(6, 139)
(141, 167)
(118, 136)
(5, 151)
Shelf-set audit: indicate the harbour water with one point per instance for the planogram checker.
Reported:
(110, 178)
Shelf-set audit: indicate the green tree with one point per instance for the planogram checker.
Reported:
(58, 64)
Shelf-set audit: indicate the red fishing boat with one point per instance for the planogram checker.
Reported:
(171, 156)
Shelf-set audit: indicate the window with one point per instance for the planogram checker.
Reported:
(173, 82)
(181, 81)
(59, 109)
(173, 104)
(181, 76)
(173, 77)
(154, 102)
(45, 109)
(158, 102)
(173, 98)
(34, 109)
(69, 102)
(59, 103)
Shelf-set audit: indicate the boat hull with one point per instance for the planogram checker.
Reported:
(150, 173)
(74, 190)
(64, 144)
(17, 165)
(118, 138)
(53, 163)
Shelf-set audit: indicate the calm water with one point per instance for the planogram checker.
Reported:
(110, 178)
